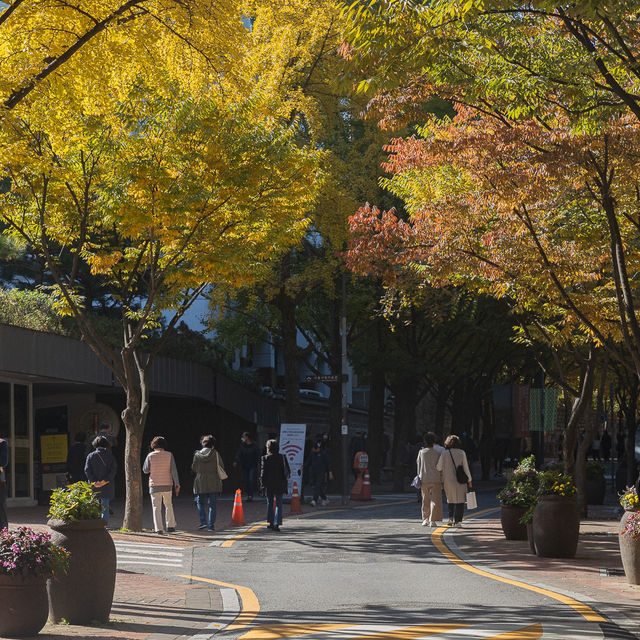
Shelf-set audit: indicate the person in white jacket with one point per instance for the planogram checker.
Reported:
(455, 491)
(430, 480)
(163, 478)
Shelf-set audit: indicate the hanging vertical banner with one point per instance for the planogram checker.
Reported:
(521, 410)
(543, 409)
(292, 438)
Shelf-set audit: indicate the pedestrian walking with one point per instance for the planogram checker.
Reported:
(605, 445)
(430, 481)
(100, 468)
(274, 482)
(318, 465)
(453, 458)
(207, 465)
(4, 463)
(160, 465)
(76, 458)
(248, 457)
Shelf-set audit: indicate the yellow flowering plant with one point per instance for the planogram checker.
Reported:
(554, 483)
(629, 499)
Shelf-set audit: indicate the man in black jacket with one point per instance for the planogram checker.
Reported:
(248, 457)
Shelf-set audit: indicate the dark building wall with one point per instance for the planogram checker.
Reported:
(182, 421)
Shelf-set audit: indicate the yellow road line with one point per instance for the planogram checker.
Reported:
(250, 607)
(273, 631)
(244, 534)
(532, 632)
(584, 610)
(409, 633)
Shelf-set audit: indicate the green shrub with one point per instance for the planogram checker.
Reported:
(76, 502)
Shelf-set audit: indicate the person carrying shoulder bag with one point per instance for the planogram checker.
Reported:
(453, 464)
(274, 482)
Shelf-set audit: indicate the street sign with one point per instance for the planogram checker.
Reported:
(328, 378)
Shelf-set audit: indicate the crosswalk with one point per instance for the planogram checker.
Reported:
(139, 553)
(432, 631)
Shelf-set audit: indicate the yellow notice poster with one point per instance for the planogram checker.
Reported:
(53, 449)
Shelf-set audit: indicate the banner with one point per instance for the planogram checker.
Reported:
(292, 438)
(543, 412)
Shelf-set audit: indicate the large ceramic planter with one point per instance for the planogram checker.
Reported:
(595, 490)
(629, 552)
(23, 605)
(85, 592)
(510, 520)
(556, 527)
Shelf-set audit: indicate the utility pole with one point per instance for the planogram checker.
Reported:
(344, 427)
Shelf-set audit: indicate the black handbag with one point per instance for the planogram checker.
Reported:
(461, 474)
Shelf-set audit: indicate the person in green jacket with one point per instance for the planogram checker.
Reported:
(207, 483)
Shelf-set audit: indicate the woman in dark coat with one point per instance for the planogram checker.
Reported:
(274, 482)
(101, 468)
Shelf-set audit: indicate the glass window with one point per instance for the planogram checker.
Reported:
(21, 410)
(5, 409)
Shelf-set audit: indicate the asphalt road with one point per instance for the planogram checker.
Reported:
(375, 572)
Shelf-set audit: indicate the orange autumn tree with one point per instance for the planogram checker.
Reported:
(537, 214)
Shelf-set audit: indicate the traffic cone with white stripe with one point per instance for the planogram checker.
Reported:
(296, 507)
(365, 494)
(237, 515)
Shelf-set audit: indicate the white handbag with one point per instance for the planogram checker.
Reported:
(472, 503)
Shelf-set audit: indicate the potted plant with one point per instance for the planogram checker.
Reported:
(629, 535)
(517, 498)
(85, 592)
(596, 482)
(555, 525)
(27, 559)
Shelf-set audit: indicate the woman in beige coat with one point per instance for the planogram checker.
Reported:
(455, 491)
(430, 481)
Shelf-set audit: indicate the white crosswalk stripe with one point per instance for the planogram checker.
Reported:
(130, 553)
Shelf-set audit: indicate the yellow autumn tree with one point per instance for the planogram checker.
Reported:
(163, 172)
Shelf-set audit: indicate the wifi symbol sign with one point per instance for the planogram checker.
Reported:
(291, 450)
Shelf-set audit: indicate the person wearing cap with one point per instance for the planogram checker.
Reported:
(101, 468)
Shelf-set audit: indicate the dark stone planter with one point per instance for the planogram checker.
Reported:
(85, 593)
(596, 488)
(24, 607)
(556, 527)
(510, 520)
(629, 552)
(532, 546)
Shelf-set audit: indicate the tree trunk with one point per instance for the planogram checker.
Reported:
(376, 424)
(406, 393)
(291, 356)
(134, 419)
(442, 395)
(576, 467)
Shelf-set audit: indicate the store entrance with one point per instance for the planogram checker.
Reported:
(16, 424)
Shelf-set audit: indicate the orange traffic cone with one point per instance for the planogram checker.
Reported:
(365, 494)
(356, 490)
(237, 515)
(296, 507)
